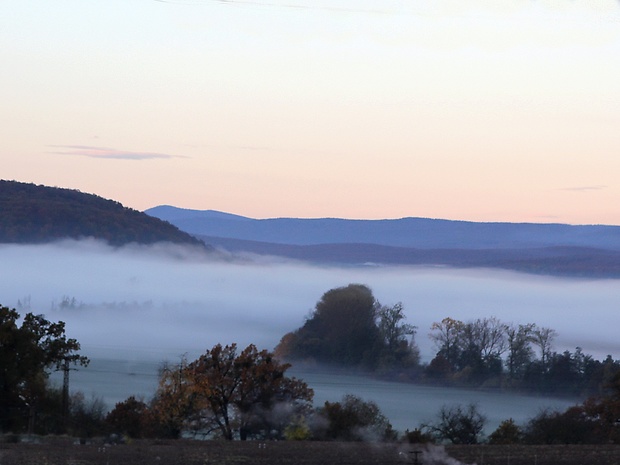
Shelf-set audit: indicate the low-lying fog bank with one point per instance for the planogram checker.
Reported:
(133, 307)
(160, 302)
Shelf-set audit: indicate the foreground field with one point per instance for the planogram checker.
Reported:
(66, 452)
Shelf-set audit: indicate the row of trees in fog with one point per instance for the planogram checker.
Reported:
(487, 352)
(225, 393)
(595, 421)
(246, 394)
(350, 328)
(231, 394)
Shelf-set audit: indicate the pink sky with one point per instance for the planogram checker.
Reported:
(481, 110)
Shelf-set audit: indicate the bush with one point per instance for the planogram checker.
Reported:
(508, 432)
(352, 419)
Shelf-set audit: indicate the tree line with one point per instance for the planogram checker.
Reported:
(595, 421)
(226, 393)
(489, 353)
(350, 328)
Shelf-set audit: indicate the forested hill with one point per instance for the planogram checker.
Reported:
(32, 213)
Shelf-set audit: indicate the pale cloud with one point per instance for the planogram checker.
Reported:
(110, 153)
(584, 188)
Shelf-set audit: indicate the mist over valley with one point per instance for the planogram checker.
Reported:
(155, 294)
(306, 233)
(133, 307)
(168, 300)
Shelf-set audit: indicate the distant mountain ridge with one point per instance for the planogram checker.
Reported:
(32, 213)
(424, 233)
(588, 250)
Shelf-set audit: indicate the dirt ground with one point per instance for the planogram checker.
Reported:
(537, 455)
(67, 452)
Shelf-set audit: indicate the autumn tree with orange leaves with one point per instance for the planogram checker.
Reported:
(231, 394)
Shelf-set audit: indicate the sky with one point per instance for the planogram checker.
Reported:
(489, 110)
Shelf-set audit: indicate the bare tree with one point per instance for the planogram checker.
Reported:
(458, 424)
(448, 336)
(393, 331)
(483, 342)
(543, 338)
(492, 337)
(478, 344)
(520, 353)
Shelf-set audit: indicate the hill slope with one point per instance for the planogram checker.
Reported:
(39, 214)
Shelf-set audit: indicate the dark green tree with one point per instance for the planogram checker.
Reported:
(132, 417)
(350, 328)
(604, 413)
(508, 432)
(554, 427)
(341, 330)
(28, 353)
(596, 421)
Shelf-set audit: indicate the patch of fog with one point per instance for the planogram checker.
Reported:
(437, 455)
(163, 301)
(428, 454)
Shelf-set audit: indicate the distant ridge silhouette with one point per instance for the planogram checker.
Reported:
(582, 250)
